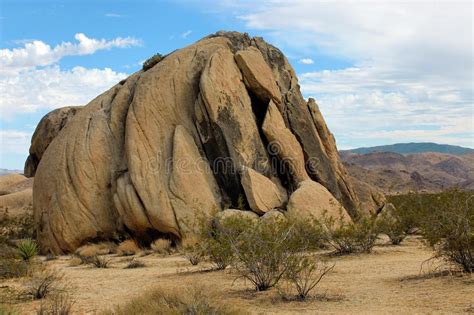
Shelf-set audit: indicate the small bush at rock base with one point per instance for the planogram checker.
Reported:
(27, 249)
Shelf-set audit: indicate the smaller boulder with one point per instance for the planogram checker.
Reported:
(312, 201)
(273, 216)
(262, 194)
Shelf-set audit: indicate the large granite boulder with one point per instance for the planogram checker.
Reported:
(214, 125)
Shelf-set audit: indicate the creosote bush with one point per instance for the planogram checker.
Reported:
(261, 252)
(446, 221)
(305, 273)
(351, 237)
(391, 224)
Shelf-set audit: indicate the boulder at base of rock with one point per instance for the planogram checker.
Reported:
(262, 194)
(273, 216)
(312, 201)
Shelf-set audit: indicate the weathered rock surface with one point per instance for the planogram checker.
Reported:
(312, 201)
(262, 194)
(177, 141)
(47, 129)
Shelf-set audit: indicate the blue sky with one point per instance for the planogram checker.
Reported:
(382, 72)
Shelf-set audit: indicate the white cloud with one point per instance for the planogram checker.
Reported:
(412, 73)
(306, 61)
(14, 141)
(51, 87)
(186, 34)
(38, 53)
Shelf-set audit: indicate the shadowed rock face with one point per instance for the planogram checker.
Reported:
(209, 124)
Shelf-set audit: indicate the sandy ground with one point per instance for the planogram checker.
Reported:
(391, 280)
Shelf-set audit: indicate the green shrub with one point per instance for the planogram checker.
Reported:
(215, 239)
(99, 261)
(348, 237)
(449, 227)
(390, 223)
(445, 220)
(305, 273)
(27, 249)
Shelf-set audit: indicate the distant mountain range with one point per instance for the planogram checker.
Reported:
(395, 173)
(410, 148)
(4, 171)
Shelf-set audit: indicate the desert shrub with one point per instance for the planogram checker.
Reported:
(13, 268)
(17, 227)
(128, 248)
(349, 237)
(193, 301)
(448, 227)
(59, 304)
(98, 261)
(216, 236)
(264, 251)
(308, 234)
(161, 246)
(391, 224)
(305, 273)
(43, 282)
(133, 264)
(409, 209)
(27, 249)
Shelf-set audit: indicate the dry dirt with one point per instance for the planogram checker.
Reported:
(391, 280)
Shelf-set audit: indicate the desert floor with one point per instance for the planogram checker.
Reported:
(391, 280)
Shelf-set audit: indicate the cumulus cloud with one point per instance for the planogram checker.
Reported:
(306, 61)
(51, 87)
(411, 78)
(37, 53)
(14, 141)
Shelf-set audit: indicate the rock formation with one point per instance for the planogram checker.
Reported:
(199, 130)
